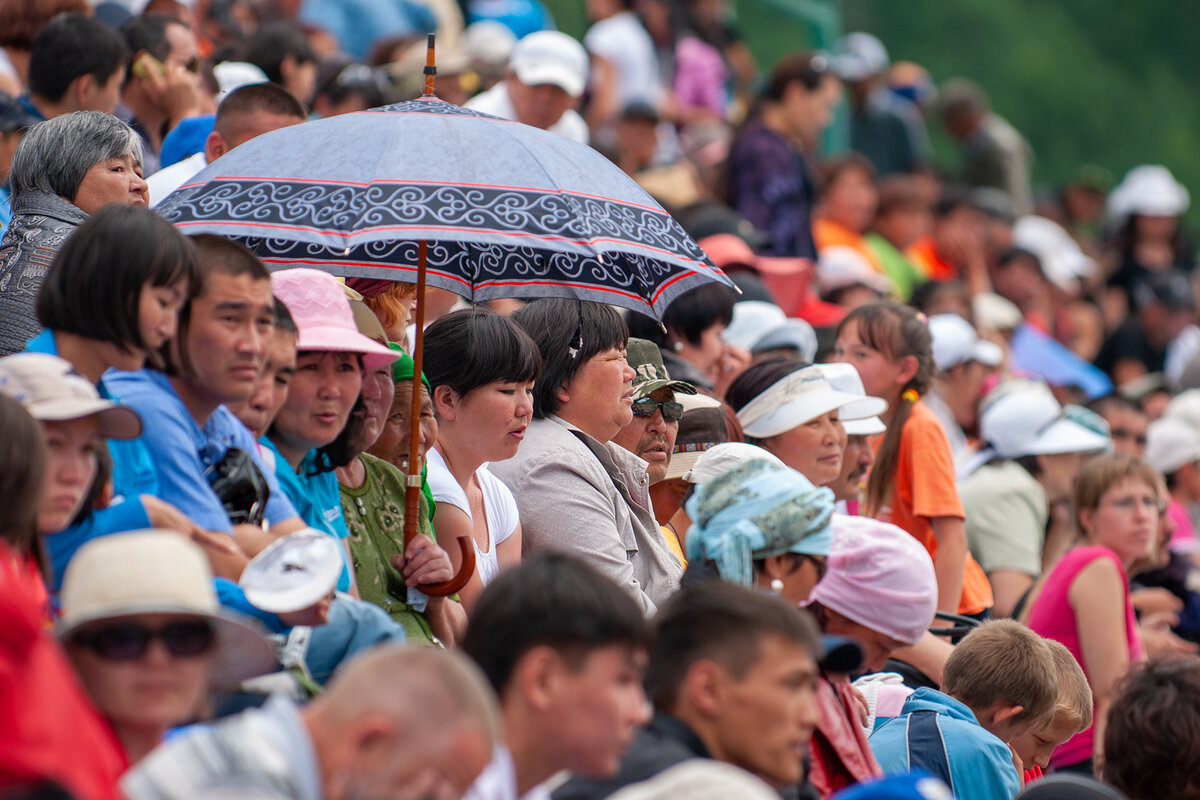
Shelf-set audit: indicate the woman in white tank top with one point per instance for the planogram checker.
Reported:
(481, 368)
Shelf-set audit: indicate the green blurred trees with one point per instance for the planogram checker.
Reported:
(1114, 83)
(1108, 82)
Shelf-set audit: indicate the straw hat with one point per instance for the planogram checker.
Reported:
(155, 572)
(702, 427)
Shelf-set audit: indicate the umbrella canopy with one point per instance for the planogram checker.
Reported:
(507, 210)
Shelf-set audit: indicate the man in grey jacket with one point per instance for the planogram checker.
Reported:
(576, 491)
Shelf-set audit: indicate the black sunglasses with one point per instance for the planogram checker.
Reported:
(646, 407)
(128, 641)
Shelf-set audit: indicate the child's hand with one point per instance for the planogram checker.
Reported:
(314, 615)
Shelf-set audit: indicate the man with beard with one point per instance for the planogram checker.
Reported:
(650, 435)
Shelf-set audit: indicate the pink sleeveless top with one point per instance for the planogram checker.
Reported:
(1053, 618)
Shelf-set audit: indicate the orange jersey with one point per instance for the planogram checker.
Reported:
(924, 488)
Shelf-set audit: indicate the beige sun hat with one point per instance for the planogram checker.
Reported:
(52, 391)
(159, 572)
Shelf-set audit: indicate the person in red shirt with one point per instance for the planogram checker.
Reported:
(49, 731)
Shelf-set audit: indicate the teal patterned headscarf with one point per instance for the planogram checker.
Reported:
(757, 510)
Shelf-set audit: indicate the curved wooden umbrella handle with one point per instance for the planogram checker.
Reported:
(465, 570)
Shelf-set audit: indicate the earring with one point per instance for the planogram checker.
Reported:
(776, 586)
(677, 346)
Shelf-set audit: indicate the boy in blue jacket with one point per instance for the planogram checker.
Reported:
(999, 683)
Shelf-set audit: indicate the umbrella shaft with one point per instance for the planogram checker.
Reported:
(412, 492)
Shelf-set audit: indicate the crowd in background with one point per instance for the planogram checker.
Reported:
(920, 500)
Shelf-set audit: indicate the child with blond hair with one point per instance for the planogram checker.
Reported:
(1072, 714)
(998, 685)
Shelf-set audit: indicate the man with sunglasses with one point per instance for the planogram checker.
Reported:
(650, 435)
(162, 85)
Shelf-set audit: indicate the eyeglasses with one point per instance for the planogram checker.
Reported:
(1131, 503)
(1125, 433)
(129, 641)
(646, 407)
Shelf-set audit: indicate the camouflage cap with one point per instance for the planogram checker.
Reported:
(651, 374)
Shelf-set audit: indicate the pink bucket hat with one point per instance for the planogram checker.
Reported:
(880, 577)
(323, 316)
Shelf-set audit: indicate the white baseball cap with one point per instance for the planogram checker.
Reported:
(858, 56)
(1171, 443)
(1062, 260)
(956, 342)
(1185, 406)
(293, 573)
(751, 319)
(859, 419)
(791, 334)
(799, 397)
(550, 57)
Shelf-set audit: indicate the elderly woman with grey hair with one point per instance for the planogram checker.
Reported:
(63, 170)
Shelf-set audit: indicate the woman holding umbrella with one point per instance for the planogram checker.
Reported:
(482, 368)
(372, 497)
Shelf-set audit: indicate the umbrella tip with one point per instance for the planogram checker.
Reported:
(430, 70)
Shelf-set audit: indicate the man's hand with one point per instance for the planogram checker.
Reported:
(171, 87)
(1155, 600)
(1158, 639)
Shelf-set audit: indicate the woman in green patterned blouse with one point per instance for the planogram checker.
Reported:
(372, 491)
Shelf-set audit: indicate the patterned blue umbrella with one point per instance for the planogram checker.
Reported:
(507, 210)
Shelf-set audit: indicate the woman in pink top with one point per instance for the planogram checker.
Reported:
(1084, 601)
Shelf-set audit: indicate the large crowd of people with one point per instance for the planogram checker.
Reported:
(913, 513)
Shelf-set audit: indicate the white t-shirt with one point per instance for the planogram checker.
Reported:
(495, 101)
(168, 179)
(498, 781)
(622, 41)
(499, 506)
